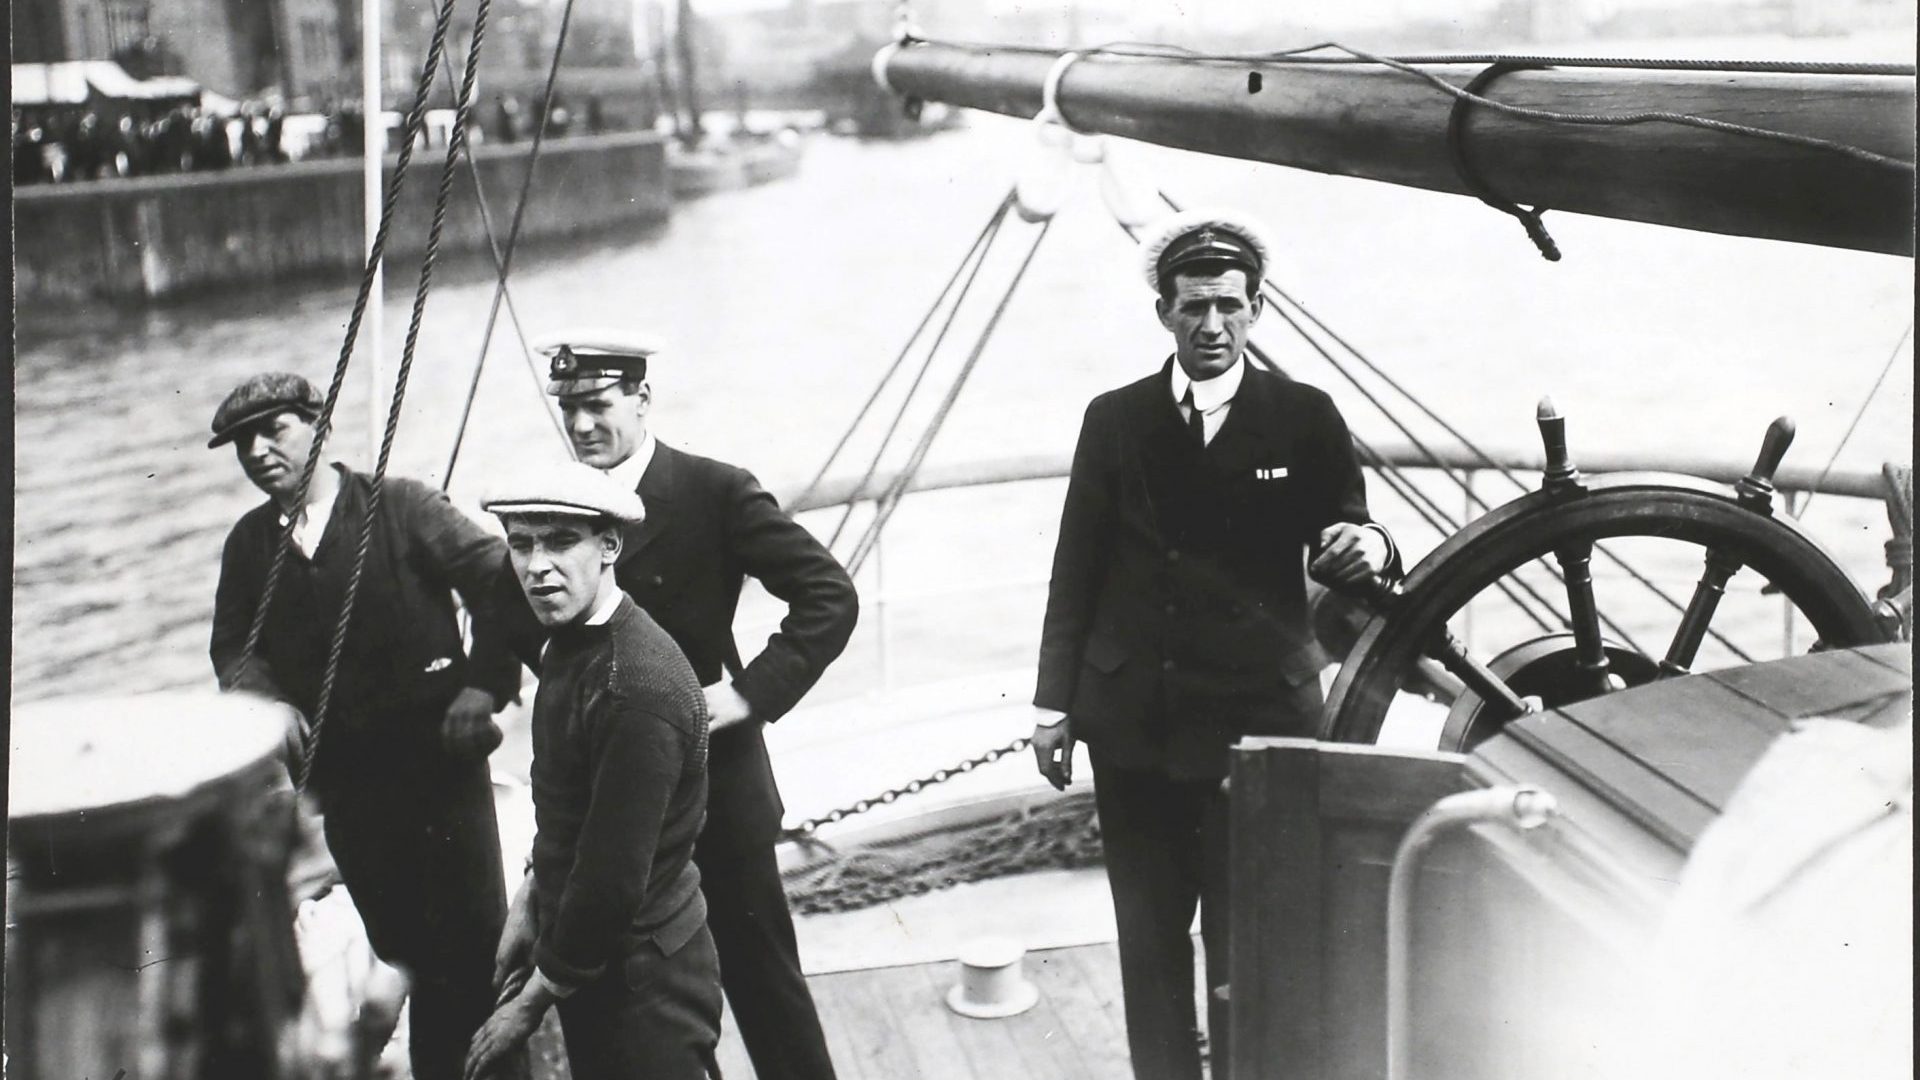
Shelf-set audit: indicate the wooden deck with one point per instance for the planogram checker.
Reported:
(893, 1024)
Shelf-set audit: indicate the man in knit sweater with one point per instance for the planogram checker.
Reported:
(611, 918)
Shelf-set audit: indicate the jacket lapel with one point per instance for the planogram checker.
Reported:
(1243, 436)
(656, 492)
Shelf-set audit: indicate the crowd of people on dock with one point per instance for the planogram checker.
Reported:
(62, 144)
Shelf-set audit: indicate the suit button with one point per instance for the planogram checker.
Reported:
(657, 579)
(1173, 556)
(1172, 608)
(1166, 665)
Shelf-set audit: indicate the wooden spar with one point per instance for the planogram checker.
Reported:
(1373, 122)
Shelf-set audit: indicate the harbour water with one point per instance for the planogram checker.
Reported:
(784, 304)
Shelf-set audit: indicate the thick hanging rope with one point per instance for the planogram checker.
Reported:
(456, 145)
(504, 263)
(376, 251)
(891, 500)
(983, 237)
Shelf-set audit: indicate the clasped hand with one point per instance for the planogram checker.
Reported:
(1349, 554)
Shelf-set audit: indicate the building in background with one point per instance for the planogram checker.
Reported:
(238, 48)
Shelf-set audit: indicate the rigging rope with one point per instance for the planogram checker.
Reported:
(376, 251)
(456, 144)
(513, 239)
(873, 467)
(866, 407)
(1858, 416)
(891, 500)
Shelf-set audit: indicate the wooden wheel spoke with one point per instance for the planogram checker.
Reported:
(1477, 677)
(1720, 568)
(1590, 650)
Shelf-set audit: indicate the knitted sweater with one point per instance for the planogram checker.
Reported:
(619, 793)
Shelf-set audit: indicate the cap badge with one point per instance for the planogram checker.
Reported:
(564, 362)
(1205, 237)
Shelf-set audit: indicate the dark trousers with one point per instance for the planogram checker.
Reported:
(760, 960)
(420, 855)
(1166, 849)
(651, 1015)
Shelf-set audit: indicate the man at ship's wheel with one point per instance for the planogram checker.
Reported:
(1177, 616)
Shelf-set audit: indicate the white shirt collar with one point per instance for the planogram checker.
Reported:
(631, 470)
(603, 612)
(1209, 394)
(313, 520)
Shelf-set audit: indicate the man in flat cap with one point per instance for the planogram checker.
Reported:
(399, 768)
(1177, 617)
(709, 527)
(611, 922)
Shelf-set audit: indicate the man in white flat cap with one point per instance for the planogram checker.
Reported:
(611, 919)
(1177, 616)
(710, 526)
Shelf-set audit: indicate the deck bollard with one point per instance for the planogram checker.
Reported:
(991, 985)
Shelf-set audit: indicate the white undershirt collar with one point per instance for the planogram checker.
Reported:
(1209, 394)
(631, 470)
(603, 611)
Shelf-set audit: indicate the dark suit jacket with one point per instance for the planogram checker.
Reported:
(1177, 619)
(709, 526)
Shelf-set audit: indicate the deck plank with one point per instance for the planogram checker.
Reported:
(893, 1024)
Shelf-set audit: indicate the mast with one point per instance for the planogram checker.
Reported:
(1367, 120)
(373, 147)
(689, 74)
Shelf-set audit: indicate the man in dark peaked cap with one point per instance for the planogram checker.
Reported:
(710, 526)
(400, 766)
(1177, 619)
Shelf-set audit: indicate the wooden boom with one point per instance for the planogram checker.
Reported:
(1374, 122)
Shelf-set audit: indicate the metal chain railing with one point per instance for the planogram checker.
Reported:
(803, 832)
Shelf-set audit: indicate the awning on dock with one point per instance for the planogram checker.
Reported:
(76, 82)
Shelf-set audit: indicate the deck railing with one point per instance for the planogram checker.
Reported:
(1795, 484)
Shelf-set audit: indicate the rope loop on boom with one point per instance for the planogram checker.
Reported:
(1470, 176)
(1050, 90)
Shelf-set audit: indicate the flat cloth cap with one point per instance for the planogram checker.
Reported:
(588, 359)
(1206, 235)
(568, 489)
(260, 397)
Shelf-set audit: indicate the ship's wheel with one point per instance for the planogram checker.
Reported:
(1734, 529)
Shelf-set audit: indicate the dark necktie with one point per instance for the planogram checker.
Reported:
(1196, 424)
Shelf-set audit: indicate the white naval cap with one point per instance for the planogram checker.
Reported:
(1204, 235)
(569, 489)
(590, 358)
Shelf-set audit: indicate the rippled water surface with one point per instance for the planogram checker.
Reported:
(785, 303)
